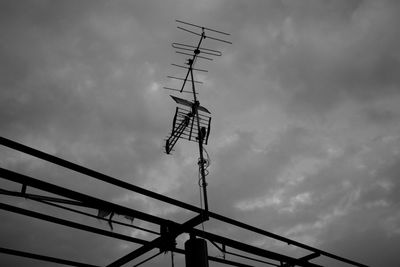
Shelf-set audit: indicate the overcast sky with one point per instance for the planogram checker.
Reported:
(305, 138)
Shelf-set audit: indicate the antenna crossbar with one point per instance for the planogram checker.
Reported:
(178, 90)
(201, 27)
(203, 50)
(182, 79)
(195, 33)
(187, 54)
(188, 68)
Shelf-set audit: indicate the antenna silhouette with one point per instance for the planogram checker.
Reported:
(191, 120)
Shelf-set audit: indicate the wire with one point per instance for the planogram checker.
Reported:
(203, 164)
(206, 163)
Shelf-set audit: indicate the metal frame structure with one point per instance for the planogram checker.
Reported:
(166, 238)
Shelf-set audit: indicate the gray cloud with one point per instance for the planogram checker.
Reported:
(354, 57)
(304, 139)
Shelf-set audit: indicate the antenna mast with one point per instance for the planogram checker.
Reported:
(192, 122)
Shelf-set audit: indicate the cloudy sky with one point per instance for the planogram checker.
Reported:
(305, 104)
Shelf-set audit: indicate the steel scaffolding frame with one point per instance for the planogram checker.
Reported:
(164, 241)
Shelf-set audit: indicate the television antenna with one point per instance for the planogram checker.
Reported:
(192, 121)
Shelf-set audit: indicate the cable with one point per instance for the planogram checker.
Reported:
(203, 164)
(206, 163)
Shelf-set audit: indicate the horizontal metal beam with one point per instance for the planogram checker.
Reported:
(43, 198)
(23, 179)
(110, 222)
(283, 239)
(108, 179)
(44, 258)
(90, 229)
(50, 203)
(251, 249)
(215, 259)
(87, 200)
(94, 174)
(252, 259)
(70, 224)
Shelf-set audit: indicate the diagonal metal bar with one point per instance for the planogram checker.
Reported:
(159, 241)
(311, 256)
(176, 134)
(306, 258)
(44, 258)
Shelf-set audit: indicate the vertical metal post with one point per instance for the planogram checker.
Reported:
(201, 160)
(200, 137)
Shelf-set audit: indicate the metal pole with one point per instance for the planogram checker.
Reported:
(200, 140)
(200, 137)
